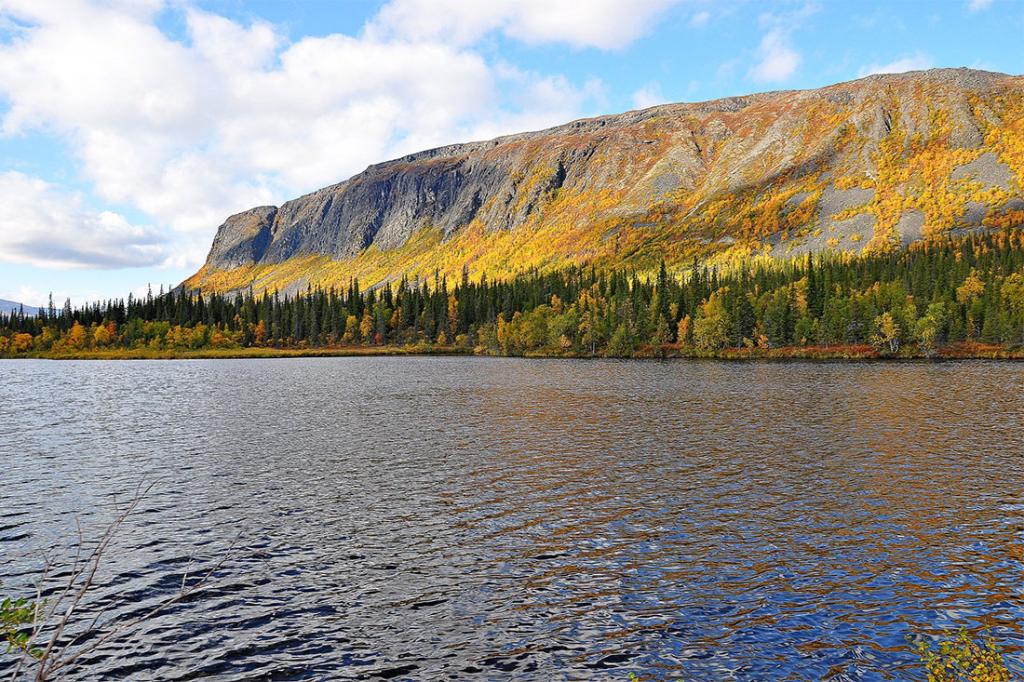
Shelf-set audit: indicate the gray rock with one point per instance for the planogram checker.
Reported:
(243, 238)
(986, 169)
(974, 214)
(910, 226)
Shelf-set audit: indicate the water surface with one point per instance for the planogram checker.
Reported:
(460, 518)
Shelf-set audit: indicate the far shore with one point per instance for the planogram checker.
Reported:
(963, 351)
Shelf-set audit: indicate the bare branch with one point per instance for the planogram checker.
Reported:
(52, 618)
(118, 630)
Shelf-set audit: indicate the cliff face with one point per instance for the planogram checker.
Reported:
(873, 163)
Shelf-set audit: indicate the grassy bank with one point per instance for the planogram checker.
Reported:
(237, 353)
(962, 351)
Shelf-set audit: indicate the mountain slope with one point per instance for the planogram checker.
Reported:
(869, 164)
(14, 306)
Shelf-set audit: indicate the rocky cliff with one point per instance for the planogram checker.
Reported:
(870, 164)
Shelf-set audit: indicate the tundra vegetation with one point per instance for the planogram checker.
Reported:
(948, 297)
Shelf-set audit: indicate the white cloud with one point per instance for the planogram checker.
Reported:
(23, 294)
(31, 296)
(978, 5)
(915, 62)
(700, 19)
(603, 24)
(190, 131)
(46, 227)
(648, 96)
(776, 58)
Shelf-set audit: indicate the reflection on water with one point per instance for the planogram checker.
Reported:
(430, 518)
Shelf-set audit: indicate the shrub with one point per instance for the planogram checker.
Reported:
(962, 659)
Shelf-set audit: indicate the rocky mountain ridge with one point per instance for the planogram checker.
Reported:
(867, 164)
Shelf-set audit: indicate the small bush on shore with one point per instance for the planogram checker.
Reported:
(964, 659)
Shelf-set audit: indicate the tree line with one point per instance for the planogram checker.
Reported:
(915, 300)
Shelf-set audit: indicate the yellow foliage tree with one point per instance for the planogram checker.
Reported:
(887, 334)
(972, 288)
(77, 336)
(366, 327)
(259, 333)
(683, 331)
(101, 337)
(453, 312)
(351, 329)
(21, 343)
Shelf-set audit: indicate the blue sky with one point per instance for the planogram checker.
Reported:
(129, 129)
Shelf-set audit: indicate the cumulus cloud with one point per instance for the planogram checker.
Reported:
(648, 96)
(26, 295)
(776, 57)
(604, 24)
(915, 62)
(190, 130)
(978, 5)
(535, 102)
(777, 60)
(45, 227)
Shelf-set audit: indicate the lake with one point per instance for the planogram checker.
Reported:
(474, 518)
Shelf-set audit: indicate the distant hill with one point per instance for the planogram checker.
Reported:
(868, 165)
(12, 306)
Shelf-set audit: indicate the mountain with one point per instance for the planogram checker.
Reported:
(870, 164)
(13, 306)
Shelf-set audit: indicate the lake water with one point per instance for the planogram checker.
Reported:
(463, 518)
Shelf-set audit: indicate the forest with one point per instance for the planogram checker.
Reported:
(959, 297)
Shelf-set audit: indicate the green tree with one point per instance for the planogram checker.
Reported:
(621, 343)
(711, 328)
(928, 328)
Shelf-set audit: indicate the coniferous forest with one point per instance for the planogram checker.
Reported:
(955, 297)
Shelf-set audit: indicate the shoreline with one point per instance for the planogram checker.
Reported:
(967, 351)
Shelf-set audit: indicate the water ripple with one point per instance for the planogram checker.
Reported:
(431, 518)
